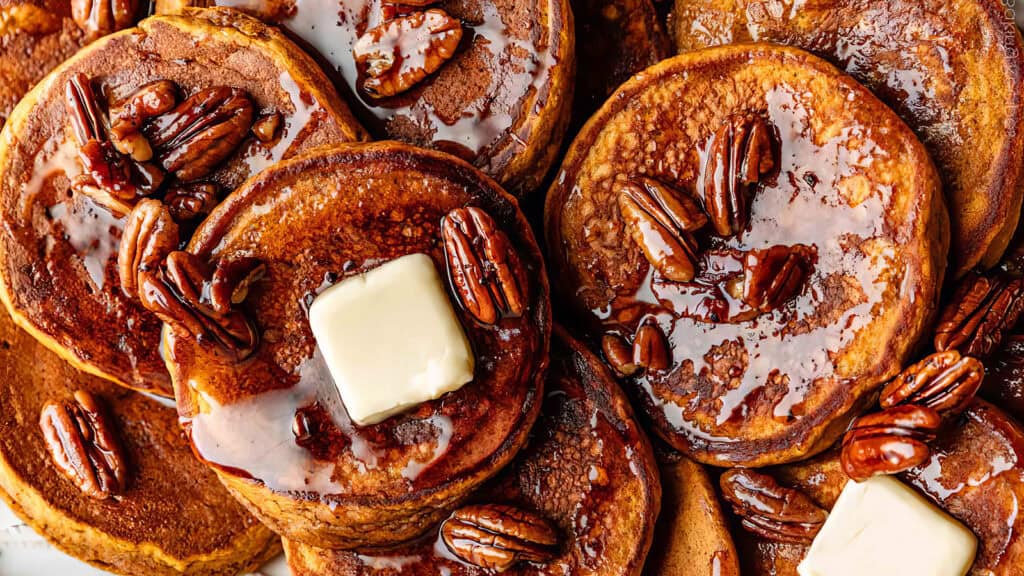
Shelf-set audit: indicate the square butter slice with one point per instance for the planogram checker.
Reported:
(882, 527)
(391, 339)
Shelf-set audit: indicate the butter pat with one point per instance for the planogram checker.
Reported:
(883, 528)
(391, 339)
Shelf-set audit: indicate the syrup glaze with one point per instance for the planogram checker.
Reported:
(854, 188)
(58, 249)
(588, 468)
(482, 105)
(313, 222)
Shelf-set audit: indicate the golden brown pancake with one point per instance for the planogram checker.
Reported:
(58, 247)
(975, 472)
(851, 196)
(953, 70)
(588, 468)
(173, 516)
(35, 37)
(314, 221)
(502, 102)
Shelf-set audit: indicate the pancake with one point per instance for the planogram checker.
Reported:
(975, 473)
(58, 246)
(502, 101)
(954, 71)
(766, 314)
(172, 517)
(588, 469)
(312, 222)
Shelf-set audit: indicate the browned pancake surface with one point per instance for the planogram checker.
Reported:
(854, 186)
(588, 468)
(952, 69)
(314, 222)
(174, 515)
(58, 249)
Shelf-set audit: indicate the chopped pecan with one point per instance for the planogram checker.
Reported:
(304, 426)
(485, 271)
(619, 354)
(945, 382)
(770, 510)
(127, 117)
(265, 128)
(100, 17)
(84, 445)
(739, 154)
(889, 442)
(201, 132)
(981, 311)
(660, 221)
(773, 276)
(149, 236)
(495, 537)
(190, 201)
(400, 53)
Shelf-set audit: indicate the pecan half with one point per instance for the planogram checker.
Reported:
(400, 53)
(739, 154)
(945, 382)
(190, 201)
(127, 117)
(981, 311)
(773, 276)
(100, 17)
(770, 510)
(649, 351)
(495, 537)
(149, 236)
(485, 271)
(201, 132)
(889, 442)
(84, 445)
(660, 221)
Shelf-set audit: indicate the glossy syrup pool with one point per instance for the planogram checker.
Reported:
(819, 200)
(469, 106)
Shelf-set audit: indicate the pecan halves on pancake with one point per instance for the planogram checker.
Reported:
(981, 311)
(661, 222)
(127, 117)
(191, 140)
(484, 269)
(149, 236)
(189, 202)
(739, 154)
(84, 445)
(496, 537)
(649, 351)
(770, 510)
(944, 381)
(773, 276)
(401, 52)
(889, 442)
(100, 17)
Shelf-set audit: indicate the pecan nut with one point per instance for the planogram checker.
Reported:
(770, 510)
(495, 537)
(149, 236)
(127, 117)
(400, 53)
(100, 17)
(773, 276)
(739, 155)
(889, 442)
(266, 128)
(945, 382)
(84, 445)
(485, 271)
(661, 222)
(649, 351)
(190, 201)
(112, 179)
(201, 132)
(981, 311)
